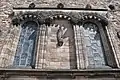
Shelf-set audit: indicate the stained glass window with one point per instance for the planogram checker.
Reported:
(93, 46)
(26, 44)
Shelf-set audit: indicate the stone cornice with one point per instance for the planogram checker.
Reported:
(61, 73)
(52, 8)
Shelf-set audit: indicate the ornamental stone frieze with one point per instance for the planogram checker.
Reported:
(46, 16)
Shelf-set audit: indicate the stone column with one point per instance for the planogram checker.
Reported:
(79, 47)
(40, 61)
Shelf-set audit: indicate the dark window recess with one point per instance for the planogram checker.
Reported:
(100, 53)
(26, 47)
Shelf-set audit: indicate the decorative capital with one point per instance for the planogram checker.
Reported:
(16, 21)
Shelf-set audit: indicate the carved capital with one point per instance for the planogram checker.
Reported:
(16, 21)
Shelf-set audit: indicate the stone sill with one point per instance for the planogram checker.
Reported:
(61, 72)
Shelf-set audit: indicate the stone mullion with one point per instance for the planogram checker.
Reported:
(81, 46)
(41, 47)
(78, 44)
(76, 47)
(38, 63)
(44, 44)
(42, 40)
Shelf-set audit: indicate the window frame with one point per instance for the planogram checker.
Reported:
(33, 56)
(107, 48)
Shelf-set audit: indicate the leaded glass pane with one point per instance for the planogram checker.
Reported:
(93, 46)
(26, 44)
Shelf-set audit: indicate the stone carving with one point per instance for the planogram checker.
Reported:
(27, 16)
(112, 7)
(32, 5)
(16, 21)
(60, 35)
(60, 5)
(74, 17)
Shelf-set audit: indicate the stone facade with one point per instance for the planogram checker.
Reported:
(53, 58)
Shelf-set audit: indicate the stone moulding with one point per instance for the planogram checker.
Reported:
(74, 17)
(90, 73)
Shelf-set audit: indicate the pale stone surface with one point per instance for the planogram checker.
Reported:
(9, 35)
(55, 57)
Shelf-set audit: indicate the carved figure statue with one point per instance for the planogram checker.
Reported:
(60, 35)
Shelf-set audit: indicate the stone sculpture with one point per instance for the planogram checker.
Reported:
(60, 35)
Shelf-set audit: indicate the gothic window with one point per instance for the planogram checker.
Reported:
(26, 46)
(96, 47)
(93, 46)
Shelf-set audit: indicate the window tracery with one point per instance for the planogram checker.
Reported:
(26, 45)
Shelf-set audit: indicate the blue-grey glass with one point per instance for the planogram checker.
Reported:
(26, 44)
(93, 46)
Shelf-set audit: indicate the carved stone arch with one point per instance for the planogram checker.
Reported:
(50, 14)
(59, 16)
(95, 17)
(30, 17)
(21, 18)
(29, 24)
